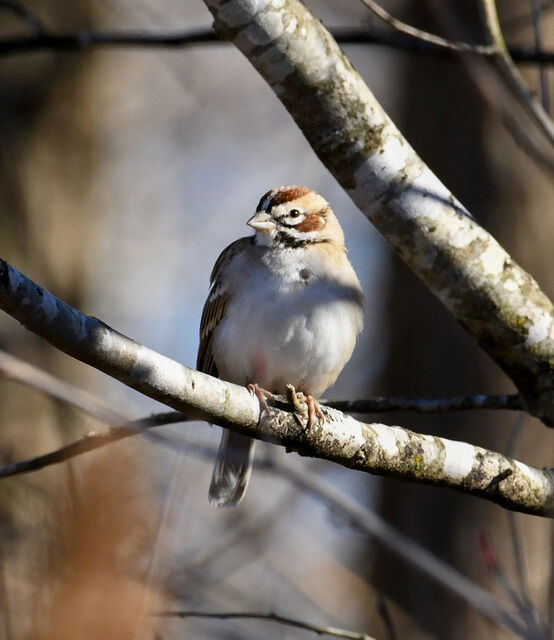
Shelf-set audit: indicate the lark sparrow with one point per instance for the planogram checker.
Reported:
(285, 307)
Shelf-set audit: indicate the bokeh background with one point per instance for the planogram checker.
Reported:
(124, 173)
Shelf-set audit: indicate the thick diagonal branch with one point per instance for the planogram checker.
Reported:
(489, 294)
(373, 448)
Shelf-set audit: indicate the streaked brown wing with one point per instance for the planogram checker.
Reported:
(216, 306)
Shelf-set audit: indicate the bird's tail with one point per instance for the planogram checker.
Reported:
(232, 469)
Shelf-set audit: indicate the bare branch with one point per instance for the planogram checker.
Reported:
(386, 617)
(47, 40)
(12, 368)
(373, 448)
(536, 626)
(510, 73)
(425, 36)
(492, 86)
(28, 17)
(270, 617)
(91, 441)
(82, 40)
(465, 267)
(429, 405)
(536, 18)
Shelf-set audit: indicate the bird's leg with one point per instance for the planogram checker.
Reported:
(262, 394)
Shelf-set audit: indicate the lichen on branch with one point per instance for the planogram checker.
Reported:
(372, 448)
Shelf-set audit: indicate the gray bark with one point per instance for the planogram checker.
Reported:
(373, 448)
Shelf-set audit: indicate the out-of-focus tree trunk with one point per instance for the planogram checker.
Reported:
(430, 355)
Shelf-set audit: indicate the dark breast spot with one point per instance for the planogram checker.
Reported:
(304, 275)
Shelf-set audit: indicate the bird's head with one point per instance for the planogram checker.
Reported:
(293, 217)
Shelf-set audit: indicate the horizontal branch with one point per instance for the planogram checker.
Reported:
(84, 40)
(270, 617)
(90, 442)
(373, 448)
(513, 402)
(15, 369)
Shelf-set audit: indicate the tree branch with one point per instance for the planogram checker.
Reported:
(512, 402)
(373, 448)
(510, 73)
(12, 368)
(544, 84)
(27, 17)
(465, 267)
(91, 441)
(46, 40)
(15, 369)
(271, 617)
(425, 36)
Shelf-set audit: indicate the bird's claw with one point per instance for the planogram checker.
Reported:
(263, 395)
(297, 397)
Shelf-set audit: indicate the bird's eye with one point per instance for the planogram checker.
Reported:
(294, 213)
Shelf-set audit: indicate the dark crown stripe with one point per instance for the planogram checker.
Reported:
(276, 197)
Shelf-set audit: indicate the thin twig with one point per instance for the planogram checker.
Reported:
(272, 617)
(510, 73)
(425, 36)
(28, 17)
(499, 96)
(536, 18)
(386, 617)
(512, 402)
(535, 625)
(91, 441)
(518, 20)
(12, 368)
(83, 40)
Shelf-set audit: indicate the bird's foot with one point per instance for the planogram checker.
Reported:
(263, 395)
(297, 397)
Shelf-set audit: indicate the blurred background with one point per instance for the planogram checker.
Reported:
(124, 173)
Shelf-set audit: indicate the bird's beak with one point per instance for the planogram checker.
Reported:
(262, 221)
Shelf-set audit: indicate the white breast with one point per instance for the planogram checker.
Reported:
(281, 327)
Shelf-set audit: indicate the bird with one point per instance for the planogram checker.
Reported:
(284, 308)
